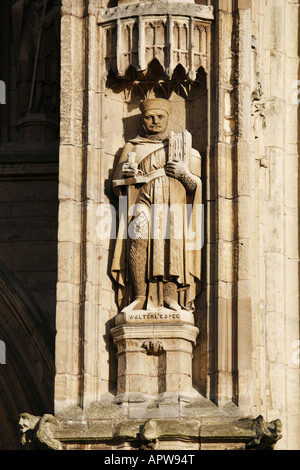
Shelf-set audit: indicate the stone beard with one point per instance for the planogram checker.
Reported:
(159, 173)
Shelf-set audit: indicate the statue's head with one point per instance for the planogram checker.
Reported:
(155, 115)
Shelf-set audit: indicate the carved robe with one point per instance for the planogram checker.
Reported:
(173, 254)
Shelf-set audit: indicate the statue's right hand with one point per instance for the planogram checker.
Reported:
(129, 170)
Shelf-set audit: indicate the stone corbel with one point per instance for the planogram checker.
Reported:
(153, 348)
(37, 433)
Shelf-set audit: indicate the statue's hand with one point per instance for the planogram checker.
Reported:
(177, 170)
(129, 170)
(181, 172)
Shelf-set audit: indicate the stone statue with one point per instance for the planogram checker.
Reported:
(36, 25)
(158, 265)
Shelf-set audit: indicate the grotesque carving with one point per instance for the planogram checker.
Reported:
(267, 434)
(37, 432)
(158, 265)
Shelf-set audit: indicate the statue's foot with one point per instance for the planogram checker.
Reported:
(137, 304)
(171, 304)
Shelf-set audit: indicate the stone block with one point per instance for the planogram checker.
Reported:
(70, 217)
(71, 173)
(273, 226)
(68, 292)
(75, 8)
(277, 378)
(291, 180)
(291, 240)
(178, 382)
(243, 168)
(99, 173)
(226, 260)
(112, 125)
(145, 368)
(179, 360)
(69, 264)
(292, 281)
(67, 338)
(275, 337)
(226, 229)
(274, 133)
(292, 29)
(225, 162)
(274, 282)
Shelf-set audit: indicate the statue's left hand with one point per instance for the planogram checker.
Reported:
(177, 170)
(181, 172)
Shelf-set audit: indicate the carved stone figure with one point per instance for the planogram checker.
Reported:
(158, 264)
(36, 26)
(37, 433)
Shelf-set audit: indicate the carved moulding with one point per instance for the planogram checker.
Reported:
(50, 433)
(134, 36)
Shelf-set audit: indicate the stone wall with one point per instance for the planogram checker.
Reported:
(275, 219)
(248, 310)
(243, 114)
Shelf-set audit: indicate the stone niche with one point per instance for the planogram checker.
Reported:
(155, 51)
(152, 347)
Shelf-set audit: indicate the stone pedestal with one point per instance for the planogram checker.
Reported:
(154, 351)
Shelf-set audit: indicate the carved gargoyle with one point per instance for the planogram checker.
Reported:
(37, 433)
(267, 434)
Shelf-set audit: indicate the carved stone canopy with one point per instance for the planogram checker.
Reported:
(133, 35)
